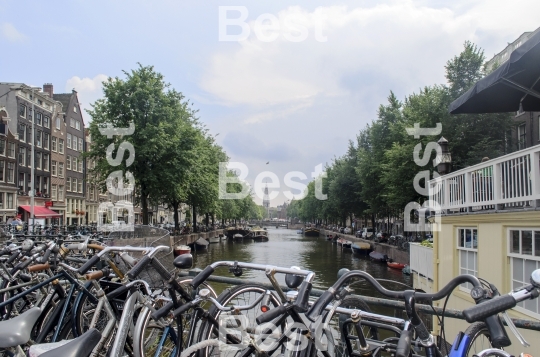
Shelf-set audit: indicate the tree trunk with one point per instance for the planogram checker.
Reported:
(213, 221)
(144, 206)
(195, 228)
(175, 215)
(373, 222)
(207, 219)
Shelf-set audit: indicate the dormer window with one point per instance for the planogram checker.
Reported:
(74, 109)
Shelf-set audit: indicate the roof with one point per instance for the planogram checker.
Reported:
(63, 98)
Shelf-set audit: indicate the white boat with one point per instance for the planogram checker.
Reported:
(214, 240)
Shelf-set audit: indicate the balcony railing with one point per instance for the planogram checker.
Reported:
(421, 260)
(508, 182)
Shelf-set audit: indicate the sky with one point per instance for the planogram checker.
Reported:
(288, 83)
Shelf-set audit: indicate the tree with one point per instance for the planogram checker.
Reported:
(142, 99)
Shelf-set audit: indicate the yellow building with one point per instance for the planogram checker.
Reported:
(489, 227)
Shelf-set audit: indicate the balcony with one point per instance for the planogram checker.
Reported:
(421, 260)
(510, 182)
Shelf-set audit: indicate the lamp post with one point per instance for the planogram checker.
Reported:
(444, 166)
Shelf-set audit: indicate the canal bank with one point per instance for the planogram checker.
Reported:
(397, 255)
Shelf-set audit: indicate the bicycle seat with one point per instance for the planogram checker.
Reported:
(184, 261)
(81, 346)
(16, 331)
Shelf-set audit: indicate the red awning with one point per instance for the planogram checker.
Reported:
(42, 212)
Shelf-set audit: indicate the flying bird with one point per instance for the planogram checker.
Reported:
(267, 162)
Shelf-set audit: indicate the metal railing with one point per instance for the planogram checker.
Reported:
(425, 309)
(509, 182)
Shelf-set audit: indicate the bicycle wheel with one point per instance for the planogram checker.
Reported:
(480, 338)
(149, 339)
(241, 321)
(338, 320)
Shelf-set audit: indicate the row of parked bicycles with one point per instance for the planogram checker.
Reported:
(79, 296)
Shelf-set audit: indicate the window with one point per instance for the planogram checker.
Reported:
(75, 109)
(39, 136)
(22, 132)
(9, 200)
(29, 136)
(21, 181)
(80, 165)
(69, 141)
(80, 186)
(3, 147)
(40, 102)
(78, 125)
(524, 253)
(11, 150)
(29, 157)
(46, 141)
(467, 246)
(54, 190)
(46, 122)
(60, 192)
(522, 139)
(30, 114)
(1, 200)
(58, 123)
(61, 169)
(68, 162)
(2, 172)
(39, 116)
(11, 172)
(61, 146)
(22, 156)
(45, 187)
(80, 144)
(68, 184)
(72, 122)
(53, 144)
(46, 162)
(54, 167)
(22, 110)
(73, 184)
(74, 163)
(38, 160)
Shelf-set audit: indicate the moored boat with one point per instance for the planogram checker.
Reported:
(378, 257)
(344, 243)
(259, 234)
(181, 249)
(299, 231)
(312, 232)
(361, 248)
(395, 265)
(214, 239)
(200, 244)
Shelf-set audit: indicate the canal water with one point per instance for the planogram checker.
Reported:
(287, 248)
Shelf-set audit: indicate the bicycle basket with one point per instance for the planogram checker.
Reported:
(146, 236)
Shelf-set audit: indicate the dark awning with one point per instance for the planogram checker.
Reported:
(515, 82)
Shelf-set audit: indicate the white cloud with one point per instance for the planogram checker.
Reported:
(10, 33)
(88, 90)
(400, 45)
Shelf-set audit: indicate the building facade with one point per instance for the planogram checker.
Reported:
(8, 186)
(58, 164)
(74, 163)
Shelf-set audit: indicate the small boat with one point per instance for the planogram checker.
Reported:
(238, 236)
(181, 249)
(406, 270)
(260, 235)
(378, 257)
(312, 232)
(200, 244)
(299, 231)
(344, 243)
(361, 248)
(395, 265)
(214, 239)
(329, 237)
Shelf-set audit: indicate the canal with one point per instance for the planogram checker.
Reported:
(287, 248)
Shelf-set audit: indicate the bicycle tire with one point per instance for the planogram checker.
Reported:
(350, 302)
(239, 295)
(480, 338)
(146, 341)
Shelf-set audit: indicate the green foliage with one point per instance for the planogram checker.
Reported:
(376, 176)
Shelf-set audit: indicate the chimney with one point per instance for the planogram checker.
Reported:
(48, 88)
